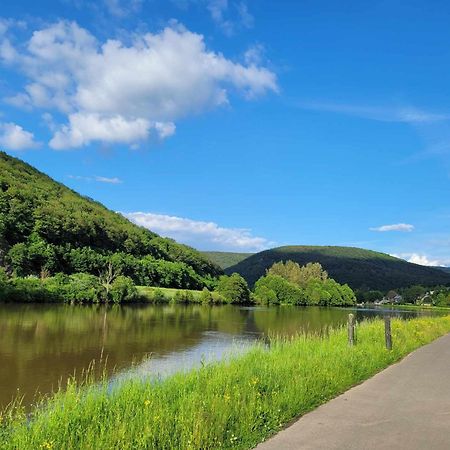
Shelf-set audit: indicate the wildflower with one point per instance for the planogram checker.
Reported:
(147, 402)
(47, 445)
(227, 397)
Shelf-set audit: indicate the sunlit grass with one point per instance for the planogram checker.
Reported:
(231, 404)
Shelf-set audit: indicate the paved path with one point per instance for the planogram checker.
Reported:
(407, 406)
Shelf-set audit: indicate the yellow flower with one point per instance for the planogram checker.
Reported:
(147, 402)
(227, 397)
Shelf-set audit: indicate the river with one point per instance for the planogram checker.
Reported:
(42, 345)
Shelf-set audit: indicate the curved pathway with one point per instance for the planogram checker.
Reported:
(406, 406)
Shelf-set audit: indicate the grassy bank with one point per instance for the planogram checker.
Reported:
(233, 404)
(151, 293)
(169, 295)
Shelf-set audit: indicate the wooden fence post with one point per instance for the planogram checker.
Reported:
(351, 329)
(387, 332)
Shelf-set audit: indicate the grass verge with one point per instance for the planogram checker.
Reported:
(148, 293)
(232, 404)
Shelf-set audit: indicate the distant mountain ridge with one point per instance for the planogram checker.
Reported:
(359, 268)
(45, 227)
(226, 259)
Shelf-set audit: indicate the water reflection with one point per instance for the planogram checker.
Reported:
(43, 344)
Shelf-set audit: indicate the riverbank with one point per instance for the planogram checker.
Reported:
(232, 404)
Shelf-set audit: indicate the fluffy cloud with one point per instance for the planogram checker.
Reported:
(122, 93)
(405, 227)
(203, 235)
(85, 128)
(422, 260)
(14, 137)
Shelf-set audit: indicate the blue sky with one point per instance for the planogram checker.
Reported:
(240, 125)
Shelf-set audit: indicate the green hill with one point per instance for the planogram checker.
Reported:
(46, 227)
(361, 269)
(226, 259)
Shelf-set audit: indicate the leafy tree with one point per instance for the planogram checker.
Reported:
(413, 294)
(274, 289)
(122, 290)
(206, 297)
(233, 288)
(372, 296)
(294, 273)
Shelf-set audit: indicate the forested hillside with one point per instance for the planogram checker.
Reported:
(226, 259)
(359, 268)
(46, 228)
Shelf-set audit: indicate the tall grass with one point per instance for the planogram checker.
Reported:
(230, 404)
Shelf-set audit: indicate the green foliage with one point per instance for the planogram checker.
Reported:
(233, 404)
(206, 297)
(166, 295)
(359, 268)
(226, 259)
(158, 296)
(123, 290)
(300, 275)
(274, 289)
(369, 296)
(233, 289)
(288, 283)
(183, 297)
(439, 296)
(413, 294)
(74, 288)
(46, 228)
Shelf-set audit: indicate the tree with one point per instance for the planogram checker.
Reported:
(274, 289)
(122, 289)
(233, 288)
(300, 275)
(107, 277)
(413, 293)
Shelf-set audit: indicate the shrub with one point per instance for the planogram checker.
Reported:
(122, 290)
(234, 289)
(183, 297)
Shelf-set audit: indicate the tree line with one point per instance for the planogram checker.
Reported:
(284, 283)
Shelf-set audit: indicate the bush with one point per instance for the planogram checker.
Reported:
(122, 290)
(206, 297)
(233, 289)
(183, 297)
(158, 296)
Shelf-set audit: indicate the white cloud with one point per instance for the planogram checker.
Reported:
(230, 17)
(113, 180)
(199, 234)
(405, 227)
(422, 260)
(14, 137)
(84, 128)
(247, 19)
(119, 93)
(122, 8)
(403, 114)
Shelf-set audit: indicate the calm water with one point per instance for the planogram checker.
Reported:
(41, 345)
